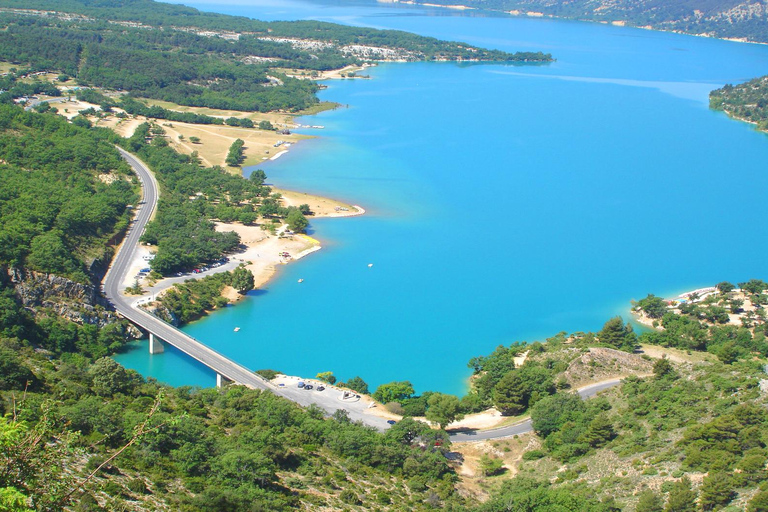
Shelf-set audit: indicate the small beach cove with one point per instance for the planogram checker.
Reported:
(501, 207)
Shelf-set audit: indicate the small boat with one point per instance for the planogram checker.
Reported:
(301, 280)
(237, 329)
(370, 265)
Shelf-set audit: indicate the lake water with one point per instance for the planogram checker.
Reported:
(504, 202)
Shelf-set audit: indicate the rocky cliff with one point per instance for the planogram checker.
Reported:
(76, 302)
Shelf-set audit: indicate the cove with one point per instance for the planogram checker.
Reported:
(504, 202)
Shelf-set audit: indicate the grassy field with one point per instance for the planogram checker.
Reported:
(215, 141)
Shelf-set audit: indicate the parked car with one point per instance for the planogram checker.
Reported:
(391, 422)
(146, 270)
(308, 386)
(320, 387)
(301, 383)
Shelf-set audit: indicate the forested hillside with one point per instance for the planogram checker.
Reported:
(739, 19)
(162, 53)
(156, 448)
(63, 193)
(747, 101)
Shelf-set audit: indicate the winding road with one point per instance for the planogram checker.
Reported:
(328, 400)
(525, 426)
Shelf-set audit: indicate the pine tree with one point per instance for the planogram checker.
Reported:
(649, 501)
(681, 497)
(510, 396)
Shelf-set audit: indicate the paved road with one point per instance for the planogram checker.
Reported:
(327, 400)
(33, 103)
(525, 426)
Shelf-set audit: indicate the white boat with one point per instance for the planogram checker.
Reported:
(237, 329)
(301, 280)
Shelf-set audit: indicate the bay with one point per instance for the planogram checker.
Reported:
(504, 202)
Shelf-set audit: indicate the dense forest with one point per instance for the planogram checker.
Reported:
(685, 430)
(686, 435)
(151, 447)
(747, 101)
(189, 67)
(738, 19)
(63, 193)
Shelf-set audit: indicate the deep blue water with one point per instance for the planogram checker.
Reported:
(504, 202)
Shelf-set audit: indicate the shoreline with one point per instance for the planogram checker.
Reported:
(539, 15)
(264, 252)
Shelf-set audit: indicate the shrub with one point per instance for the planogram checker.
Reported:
(534, 454)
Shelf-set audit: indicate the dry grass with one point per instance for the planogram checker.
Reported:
(677, 355)
(472, 483)
(600, 364)
(215, 141)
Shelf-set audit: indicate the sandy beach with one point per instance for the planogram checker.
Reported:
(264, 251)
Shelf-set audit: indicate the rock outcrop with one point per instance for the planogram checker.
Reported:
(73, 301)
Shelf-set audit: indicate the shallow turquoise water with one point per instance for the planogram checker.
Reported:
(505, 202)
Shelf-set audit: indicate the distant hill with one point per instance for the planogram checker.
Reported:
(735, 19)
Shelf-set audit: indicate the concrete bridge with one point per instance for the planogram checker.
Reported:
(161, 332)
(226, 369)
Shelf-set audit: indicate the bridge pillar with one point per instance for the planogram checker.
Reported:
(155, 345)
(221, 380)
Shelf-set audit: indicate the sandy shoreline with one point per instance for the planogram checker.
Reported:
(265, 252)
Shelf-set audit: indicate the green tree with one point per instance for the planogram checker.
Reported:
(242, 280)
(110, 378)
(599, 431)
(235, 154)
(396, 391)
(13, 373)
(682, 498)
(649, 501)
(326, 377)
(246, 467)
(653, 306)
(490, 466)
(194, 140)
(11, 500)
(618, 335)
(49, 253)
(716, 490)
(552, 412)
(510, 395)
(357, 384)
(725, 287)
(443, 409)
(754, 286)
(296, 221)
(759, 503)
(258, 176)
(663, 368)
(266, 125)
(728, 353)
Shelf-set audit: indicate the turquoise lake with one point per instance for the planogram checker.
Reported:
(504, 202)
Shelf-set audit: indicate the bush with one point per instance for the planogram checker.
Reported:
(395, 408)
(138, 486)
(350, 497)
(267, 374)
(534, 454)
